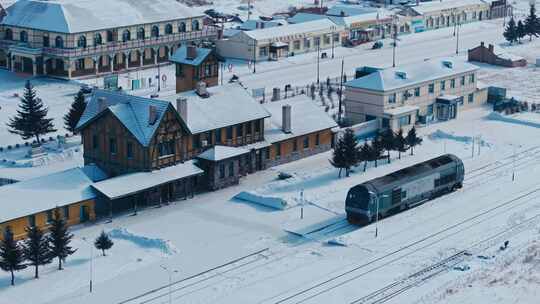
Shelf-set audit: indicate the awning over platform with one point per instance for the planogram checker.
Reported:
(124, 185)
(218, 153)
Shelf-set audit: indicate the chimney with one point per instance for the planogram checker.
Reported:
(181, 108)
(286, 117)
(102, 103)
(152, 115)
(201, 89)
(491, 48)
(276, 94)
(191, 52)
(482, 43)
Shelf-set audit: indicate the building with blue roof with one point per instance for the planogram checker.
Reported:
(195, 66)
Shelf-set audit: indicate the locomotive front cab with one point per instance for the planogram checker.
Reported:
(358, 204)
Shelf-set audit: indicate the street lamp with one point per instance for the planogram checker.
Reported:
(91, 260)
(376, 200)
(457, 37)
(169, 273)
(318, 57)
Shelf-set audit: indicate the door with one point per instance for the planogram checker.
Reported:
(84, 216)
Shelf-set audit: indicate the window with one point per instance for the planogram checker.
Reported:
(404, 120)
(66, 212)
(23, 36)
(110, 36)
(392, 98)
(336, 37)
(453, 84)
(257, 127)
(126, 36)
(307, 43)
(295, 145)
(81, 42)
(79, 64)
(217, 135)
(49, 216)
(141, 33)
(429, 110)
(471, 78)
(112, 145)
(317, 139)
(155, 31)
(416, 92)
(129, 150)
(462, 80)
(8, 35)
(46, 42)
(306, 142)
(278, 150)
(196, 141)
(222, 170)
(195, 25)
(239, 130)
(231, 169)
(229, 132)
(327, 39)
(248, 128)
(443, 85)
(296, 44)
(470, 98)
(267, 153)
(168, 29)
(263, 51)
(317, 41)
(406, 94)
(59, 42)
(167, 148)
(182, 27)
(95, 142)
(431, 88)
(32, 220)
(207, 70)
(97, 39)
(179, 70)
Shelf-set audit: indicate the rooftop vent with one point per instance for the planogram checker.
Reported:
(286, 123)
(191, 52)
(201, 89)
(401, 75)
(448, 64)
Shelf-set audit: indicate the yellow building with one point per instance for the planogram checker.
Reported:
(32, 202)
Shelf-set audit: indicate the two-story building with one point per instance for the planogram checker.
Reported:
(418, 93)
(72, 38)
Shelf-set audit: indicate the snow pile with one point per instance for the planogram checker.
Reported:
(142, 241)
(514, 120)
(267, 201)
(439, 134)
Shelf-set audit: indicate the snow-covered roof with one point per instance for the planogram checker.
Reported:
(503, 54)
(132, 111)
(292, 29)
(131, 183)
(348, 10)
(368, 17)
(306, 117)
(436, 6)
(389, 79)
(180, 56)
(306, 17)
(400, 110)
(76, 16)
(226, 106)
(218, 153)
(47, 192)
(249, 25)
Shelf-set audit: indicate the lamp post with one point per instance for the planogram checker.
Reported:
(333, 34)
(377, 202)
(457, 38)
(318, 57)
(169, 273)
(91, 261)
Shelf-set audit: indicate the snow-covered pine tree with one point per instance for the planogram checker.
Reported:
(388, 141)
(60, 238)
(11, 255)
(351, 150)
(413, 140)
(520, 31)
(400, 143)
(338, 157)
(365, 154)
(75, 112)
(36, 249)
(103, 242)
(377, 149)
(510, 32)
(31, 119)
(532, 24)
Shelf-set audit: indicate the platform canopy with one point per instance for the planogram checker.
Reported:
(218, 153)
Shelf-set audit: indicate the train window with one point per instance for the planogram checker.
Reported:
(403, 195)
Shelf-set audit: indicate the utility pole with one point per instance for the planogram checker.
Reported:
(159, 78)
(340, 90)
(318, 58)
(333, 34)
(457, 39)
(254, 55)
(394, 47)
(249, 10)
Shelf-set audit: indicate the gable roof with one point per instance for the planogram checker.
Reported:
(292, 29)
(219, 152)
(180, 56)
(305, 17)
(436, 6)
(76, 16)
(387, 79)
(227, 105)
(306, 117)
(48, 192)
(349, 10)
(131, 111)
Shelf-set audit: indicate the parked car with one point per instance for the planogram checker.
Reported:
(377, 45)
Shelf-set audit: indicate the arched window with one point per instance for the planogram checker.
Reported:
(23, 36)
(8, 35)
(59, 42)
(126, 35)
(140, 33)
(97, 39)
(182, 27)
(81, 42)
(168, 29)
(110, 36)
(195, 25)
(155, 31)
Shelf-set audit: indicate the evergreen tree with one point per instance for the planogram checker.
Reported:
(388, 141)
(36, 249)
(520, 31)
(532, 24)
(413, 140)
(11, 255)
(377, 149)
(103, 242)
(75, 112)
(510, 33)
(365, 154)
(338, 157)
(31, 120)
(351, 150)
(60, 239)
(400, 143)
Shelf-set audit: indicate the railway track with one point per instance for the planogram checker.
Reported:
(362, 270)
